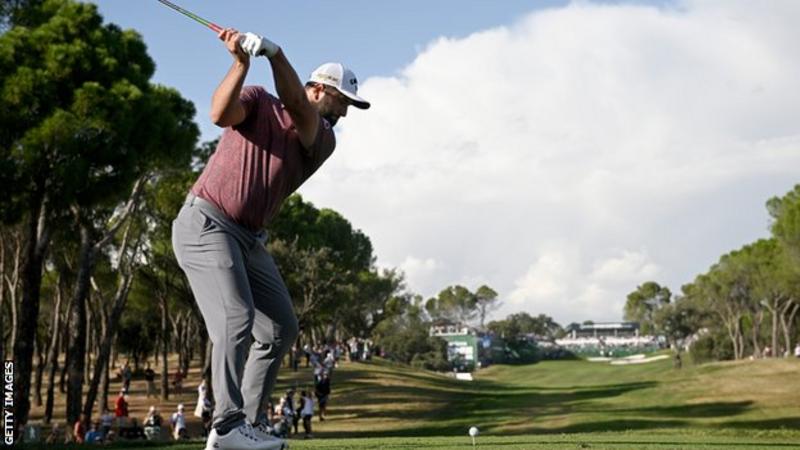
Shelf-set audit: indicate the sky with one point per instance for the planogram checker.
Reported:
(562, 153)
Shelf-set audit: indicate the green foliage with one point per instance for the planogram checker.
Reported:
(643, 303)
(486, 301)
(516, 326)
(315, 228)
(404, 336)
(454, 303)
(711, 347)
(78, 116)
(433, 359)
(329, 269)
(785, 212)
(679, 320)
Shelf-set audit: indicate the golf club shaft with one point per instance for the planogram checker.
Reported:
(191, 15)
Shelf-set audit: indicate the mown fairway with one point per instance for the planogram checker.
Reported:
(563, 404)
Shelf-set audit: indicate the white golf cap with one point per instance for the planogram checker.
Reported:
(341, 78)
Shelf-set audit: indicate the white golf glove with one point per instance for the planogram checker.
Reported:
(255, 45)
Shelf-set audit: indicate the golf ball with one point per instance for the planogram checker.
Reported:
(473, 431)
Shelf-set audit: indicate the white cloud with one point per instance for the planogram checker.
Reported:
(570, 156)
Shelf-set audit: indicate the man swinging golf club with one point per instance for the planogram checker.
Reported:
(270, 146)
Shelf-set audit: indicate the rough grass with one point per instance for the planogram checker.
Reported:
(561, 404)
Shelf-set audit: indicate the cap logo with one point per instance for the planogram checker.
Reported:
(353, 81)
(325, 76)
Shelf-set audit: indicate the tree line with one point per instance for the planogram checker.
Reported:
(746, 304)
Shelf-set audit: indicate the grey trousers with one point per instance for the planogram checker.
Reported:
(240, 294)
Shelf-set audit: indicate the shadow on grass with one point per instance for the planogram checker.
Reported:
(695, 410)
(412, 403)
(792, 423)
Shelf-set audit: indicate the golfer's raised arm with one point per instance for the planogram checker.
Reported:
(293, 95)
(288, 86)
(226, 108)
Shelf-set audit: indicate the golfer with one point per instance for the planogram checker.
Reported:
(269, 147)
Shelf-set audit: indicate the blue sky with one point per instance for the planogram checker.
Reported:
(374, 38)
(560, 152)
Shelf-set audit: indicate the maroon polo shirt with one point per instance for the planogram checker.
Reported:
(261, 161)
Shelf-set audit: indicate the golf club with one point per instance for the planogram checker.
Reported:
(191, 15)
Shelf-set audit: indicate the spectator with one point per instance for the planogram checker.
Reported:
(152, 424)
(288, 411)
(206, 416)
(127, 374)
(79, 430)
(270, 409)
(306, 412)
(178, 422)
(329, 362)
(56, 435)
(322, 389)
(797, 350)
(202, 393)
(121, 405)
(150, 378)
(282, 419)
(297, 353)
(94, 436)
(106, 422)
(177, 381)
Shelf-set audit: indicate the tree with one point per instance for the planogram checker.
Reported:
(518, 325)
(325, 262)
(486, 299)
(370, 297)
(785, 212)
(79, 124)
(404, 335)
(678, 320)
(454, 303)
(643, 303)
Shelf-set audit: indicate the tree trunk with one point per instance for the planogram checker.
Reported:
(164, 349)
(774, 312)
(52, 353)
(10, 283)
(77, 331)
(40, 364)
(120, 298)
(35, 249)
(104, 386)
(755, 332)
(90, 331)
(787, 322)
(64, 343)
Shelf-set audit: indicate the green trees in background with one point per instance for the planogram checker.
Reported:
(458, 304)
(747, 303)
(81, 132)
(405, 337)
(329, 269)
(643, 304)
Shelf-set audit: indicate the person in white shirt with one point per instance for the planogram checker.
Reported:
(178, 422)
(307, 411)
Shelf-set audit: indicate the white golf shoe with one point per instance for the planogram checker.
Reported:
(240, 438)
(264, 432)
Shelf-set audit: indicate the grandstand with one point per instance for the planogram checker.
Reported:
(614, 339)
